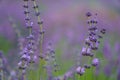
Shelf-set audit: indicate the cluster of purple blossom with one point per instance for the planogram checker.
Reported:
(28, 56)
(91, 43)
(34, 44)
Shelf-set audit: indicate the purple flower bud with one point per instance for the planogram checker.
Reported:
(103, 31)
(68, 75)
(31, 37)
(84, 50)
(22, 65)
(31, 52)
(88, 14)
(35, 58)
(88, 50)
(94, 46)
(80, 70)
(87, 41)
(93, 28)
(87, 66)
(92, 38)
(91, 54)
(95, 62)
(29, 25)
(25, 57)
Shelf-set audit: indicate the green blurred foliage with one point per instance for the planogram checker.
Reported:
(5, 44)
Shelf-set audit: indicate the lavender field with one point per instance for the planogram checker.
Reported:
(59, 39)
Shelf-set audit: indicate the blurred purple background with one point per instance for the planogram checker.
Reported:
(63, 18)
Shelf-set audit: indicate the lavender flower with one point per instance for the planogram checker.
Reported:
(80, 70)
(67, 75)
(87, 66)
(28, 56)
(95, 61)
(13, 75)
(88, 14)
(51, 64)
(91, 43)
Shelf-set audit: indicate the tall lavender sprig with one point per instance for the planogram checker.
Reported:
(51, 63)
(40, 22)
(27, 54)
(41, 34)
(91, 43)
(18, 33)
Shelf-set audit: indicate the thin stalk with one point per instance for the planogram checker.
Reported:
(85, 76)
(93, 73)
(27, 14)
(2, 75)
(24, 77)
(40, 26)
(42, 61)
(15, 27)
(1, 69)
(17, 31)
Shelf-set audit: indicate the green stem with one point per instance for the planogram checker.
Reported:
(2, 75)
(41, 70)
(92, 73)
(42, 62)
(85, 76)
(24, 77)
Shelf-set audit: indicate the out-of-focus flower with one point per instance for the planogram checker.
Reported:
(80, 70)
(95, 61)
